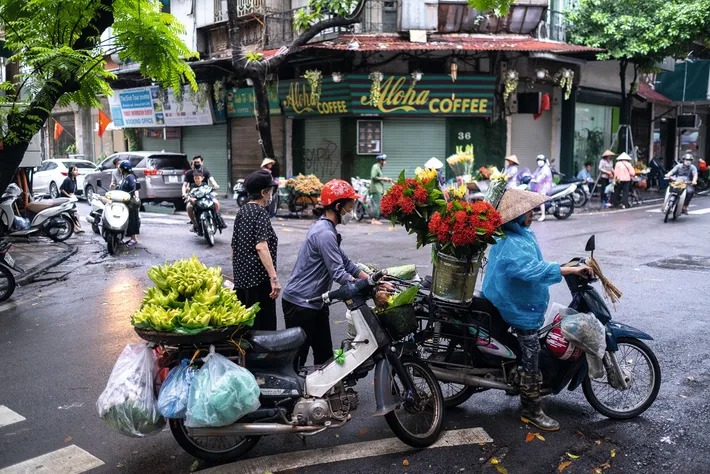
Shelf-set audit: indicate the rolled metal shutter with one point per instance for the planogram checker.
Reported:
(158, 144)
(409, 143)
(322, 150)
(210, 141)
(530, 137)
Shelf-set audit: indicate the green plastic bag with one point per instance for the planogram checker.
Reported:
(221, 393)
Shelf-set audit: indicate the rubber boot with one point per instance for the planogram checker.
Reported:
(531, 400)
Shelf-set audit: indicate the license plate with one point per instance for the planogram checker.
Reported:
(173, 179)
(9, 260)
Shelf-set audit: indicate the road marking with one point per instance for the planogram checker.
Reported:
(696, 212)
(69, 460)
(347, 452)
(8, 417)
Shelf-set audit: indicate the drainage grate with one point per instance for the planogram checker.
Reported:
(698, 263)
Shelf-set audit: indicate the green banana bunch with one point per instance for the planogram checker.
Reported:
(207, 296)
(194, 316)
(155, 317)
(159, 275)
(158, 297)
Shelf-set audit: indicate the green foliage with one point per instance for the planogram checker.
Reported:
(60, 46)
(640, 31)
(318, 10)
(499, 7)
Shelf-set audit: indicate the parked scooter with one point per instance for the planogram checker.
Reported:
(561, 203)
(363, 205)
(580, 196)
(321, 398)
(470, 348)
(54, 218)
(240, 193)
(207, 218)
(7, 263)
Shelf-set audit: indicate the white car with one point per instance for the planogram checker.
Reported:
(50, 175)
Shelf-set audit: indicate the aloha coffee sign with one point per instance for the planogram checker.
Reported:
(396, 95)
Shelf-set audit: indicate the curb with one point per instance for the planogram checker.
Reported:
(28, 276)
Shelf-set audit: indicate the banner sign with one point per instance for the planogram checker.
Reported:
(147, 107)
(240, 102)
(396, 95)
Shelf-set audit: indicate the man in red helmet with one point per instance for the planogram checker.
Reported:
(320, 262)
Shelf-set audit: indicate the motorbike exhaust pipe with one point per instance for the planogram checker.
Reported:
(453, 376)
(257, 429)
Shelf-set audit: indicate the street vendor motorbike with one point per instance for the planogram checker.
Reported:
(321, 398)
(53, 218)
(674, 198)
(207, 218)
(470, 348)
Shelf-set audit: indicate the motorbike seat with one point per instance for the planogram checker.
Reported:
(38, 206)
(277, 341)
(558, 188)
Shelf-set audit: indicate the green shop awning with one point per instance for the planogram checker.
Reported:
(696, 83)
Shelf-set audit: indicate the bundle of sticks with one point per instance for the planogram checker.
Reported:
(610, 290)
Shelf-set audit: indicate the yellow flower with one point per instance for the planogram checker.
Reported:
(458, 193)
(498, 176)
(419, 171)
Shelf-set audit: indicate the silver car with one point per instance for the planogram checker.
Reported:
(160, 173)
(50, 175)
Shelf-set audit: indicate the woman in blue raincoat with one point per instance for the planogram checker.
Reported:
(517, 281)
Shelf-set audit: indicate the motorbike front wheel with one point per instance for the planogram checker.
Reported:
(112, 244)
(65, 231)
(565, 207)
(642, 373)
(7, 283)
(358, 210)
(579, 197)
(417, 424)
(211, 449)
(208, 230)
(670, 208)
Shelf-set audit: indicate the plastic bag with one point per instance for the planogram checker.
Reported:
(172, 399)
(128, 403)
(221, 393)
(585, 331)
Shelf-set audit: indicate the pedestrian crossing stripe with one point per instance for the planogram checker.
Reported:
(696, 212)
(9, 417)
(69, 460)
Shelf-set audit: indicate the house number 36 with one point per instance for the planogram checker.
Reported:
(464, 135)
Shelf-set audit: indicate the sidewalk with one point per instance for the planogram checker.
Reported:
(38, 255)
(647, 198)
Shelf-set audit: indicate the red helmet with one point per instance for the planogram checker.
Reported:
(336, 189)
(558, 345)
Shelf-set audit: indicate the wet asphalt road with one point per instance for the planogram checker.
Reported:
(60, 340)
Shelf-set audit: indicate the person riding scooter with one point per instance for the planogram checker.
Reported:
(688, 172)
(516, 282)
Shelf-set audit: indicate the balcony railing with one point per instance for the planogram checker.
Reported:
(250, 7)
(220, 10)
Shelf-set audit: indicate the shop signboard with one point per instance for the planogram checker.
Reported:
(471, 95)
(240, 102)
(146, 107)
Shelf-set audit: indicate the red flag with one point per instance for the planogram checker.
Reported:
(58, 129)
(104, 120)
(544, 105)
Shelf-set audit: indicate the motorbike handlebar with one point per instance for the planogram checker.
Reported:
(349, 290)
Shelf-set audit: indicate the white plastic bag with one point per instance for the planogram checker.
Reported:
(586, 332)
(221, 392)
(128, 402)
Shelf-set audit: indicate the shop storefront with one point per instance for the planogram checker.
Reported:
(338, 132)
(209, 141)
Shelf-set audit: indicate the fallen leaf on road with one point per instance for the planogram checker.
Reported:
(405, 463)
(563, 466)
(362, 432)
(501, 469)
(539, 436)
(572, 456)
(598, 442)
(119, 465)
(613, 453)
(68, 439)
(494, 461)
(529, 437)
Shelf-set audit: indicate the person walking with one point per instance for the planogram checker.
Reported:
(268, 165)
(377, 187)
(320, 262)
(68, 189)
(254, 251)
(511, 171)
(517, 281)
(128, 185)
(541, 181)
(623, 174)
(606, 174)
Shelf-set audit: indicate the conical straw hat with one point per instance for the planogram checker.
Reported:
(608, 153)
(513, 158)
(516, 202)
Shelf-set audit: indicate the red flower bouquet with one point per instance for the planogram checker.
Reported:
(411, 202)
(463, 229)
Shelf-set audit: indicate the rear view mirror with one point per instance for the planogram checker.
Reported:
(590, 244)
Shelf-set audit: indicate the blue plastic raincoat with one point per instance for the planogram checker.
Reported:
(517, 278)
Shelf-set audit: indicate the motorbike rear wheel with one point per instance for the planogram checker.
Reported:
(565, 207)
(643, 375)
(454, 394)
(65, 232)
(213, 449)
(208, 230)
(7, 283)
(417, 425)
(579, 197)
(242, 199)
(358, 210)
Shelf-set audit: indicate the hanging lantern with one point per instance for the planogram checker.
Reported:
(454, 71)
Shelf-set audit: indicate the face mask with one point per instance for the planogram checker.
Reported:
(687, 162)
(198, 166)
(345, 218)
(540, 162)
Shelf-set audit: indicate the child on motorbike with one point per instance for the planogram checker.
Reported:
(320, 261)
(516, 282)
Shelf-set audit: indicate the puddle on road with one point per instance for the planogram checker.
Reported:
(697, 263)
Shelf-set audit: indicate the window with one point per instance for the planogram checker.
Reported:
(369, 137)
(167, 162)
(51, 166)
(81, 165)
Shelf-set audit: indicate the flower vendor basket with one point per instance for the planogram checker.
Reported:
(454, 279)
(399, 321)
